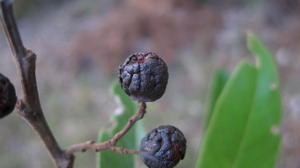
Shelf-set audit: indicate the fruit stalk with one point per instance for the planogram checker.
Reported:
(111, 144)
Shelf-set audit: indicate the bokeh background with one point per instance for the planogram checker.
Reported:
(80, 45)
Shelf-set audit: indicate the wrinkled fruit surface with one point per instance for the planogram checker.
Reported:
(144, 76)
(163, 147)
(8, 97)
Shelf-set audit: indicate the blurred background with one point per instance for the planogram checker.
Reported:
(80, 45)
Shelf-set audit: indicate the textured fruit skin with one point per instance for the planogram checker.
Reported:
(163, 147)
(8, 96)
(144, 76)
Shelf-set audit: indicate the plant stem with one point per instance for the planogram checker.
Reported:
(29, 106)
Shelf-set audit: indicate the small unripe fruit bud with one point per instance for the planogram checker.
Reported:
(163, 147)
(8, 96)
(144, 76)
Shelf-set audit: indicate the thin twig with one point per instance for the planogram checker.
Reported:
(123, 150)
(111, 144)
(29, 106)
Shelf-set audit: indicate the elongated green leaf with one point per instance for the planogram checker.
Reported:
(261, 141)
(229, 119)
(256, 143)
(109, 159)
(220, 78)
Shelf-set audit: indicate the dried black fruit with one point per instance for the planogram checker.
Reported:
(163, 147)
(8, 96)
(144, 76)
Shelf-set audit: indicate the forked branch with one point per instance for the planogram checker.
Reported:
(29, 106)
(110, 144)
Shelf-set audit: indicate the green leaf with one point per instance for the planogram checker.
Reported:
(110, 159)
(219, 80)
(244, 128)
(261, 141)
(229, 120)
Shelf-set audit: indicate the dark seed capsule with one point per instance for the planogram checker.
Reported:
(144, 76)
(163, 147)
(8, 96)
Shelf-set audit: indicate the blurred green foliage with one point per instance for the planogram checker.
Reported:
(229, 119)
(219, 80)
(243, 129)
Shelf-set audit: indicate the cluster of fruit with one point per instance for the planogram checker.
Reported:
(144, 77)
